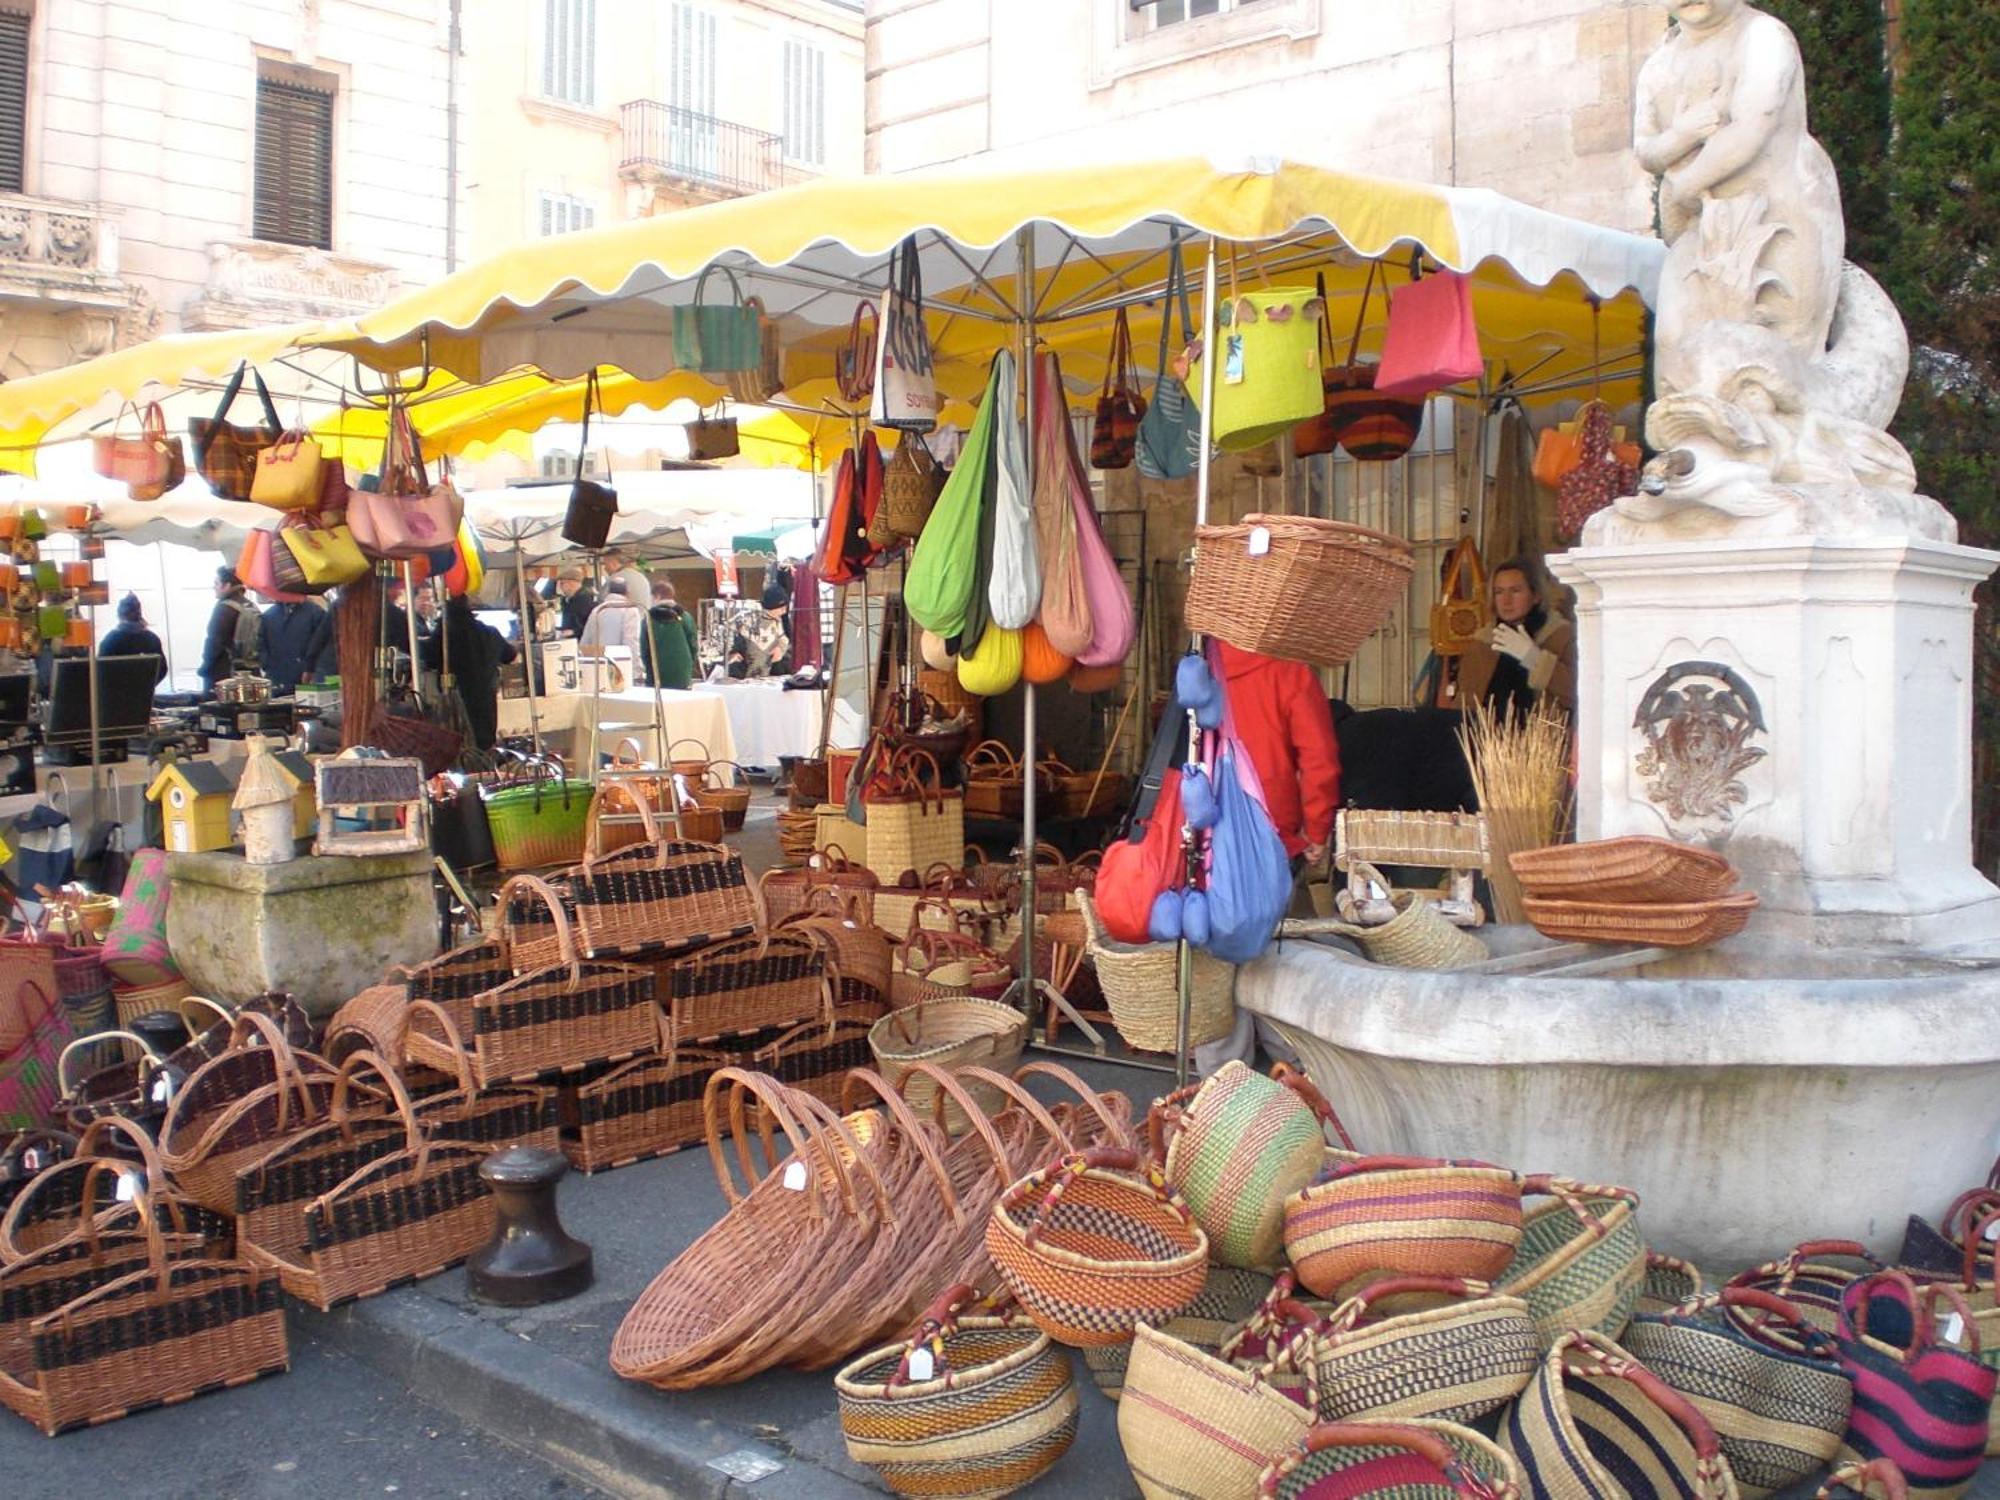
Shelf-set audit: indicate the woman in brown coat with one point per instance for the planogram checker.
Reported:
(1527, 659)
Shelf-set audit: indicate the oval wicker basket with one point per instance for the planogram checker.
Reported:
(1672, 924)
(1314, 593)
(948, 1031)
(1406, 1215)
(1141, 984)
(731, 801)
(1637, 867)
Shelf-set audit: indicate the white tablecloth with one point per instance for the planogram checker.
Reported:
(566, 720)
(768, 721)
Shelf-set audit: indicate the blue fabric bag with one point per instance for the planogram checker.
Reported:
(1249, 875)
(1169, 444)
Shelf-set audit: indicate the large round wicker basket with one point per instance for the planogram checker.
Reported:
(1295, 587)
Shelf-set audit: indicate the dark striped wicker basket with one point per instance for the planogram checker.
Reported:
(747, 984)
(637, 1110)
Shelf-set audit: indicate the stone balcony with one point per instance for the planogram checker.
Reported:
(252, 283)
(60, 254)
(682, 157)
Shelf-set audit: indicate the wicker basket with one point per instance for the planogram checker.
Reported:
(539, 825)
(1141, 984)
(1581, 1261)
(131, 1001)
(1231, 1294)
(1669, 1283)
(1411, 1458)
(68, 1198)
(1091, 1252)
(948, 1032)
(1404, 1215)
(915, 821)
(833, 829)
(785, 892)
(744, 985)
(373, 1021)
(1084, 794)
(1314, 592)
(692, 767)
(998, 1409)
(796, 831)
(1192, 1425)
(732, 801)
(858, 952)
(1811, 1281)
(809, 781)
(648, 900)
(455, 1108)
(1677, 924)
(1455, 1363)
(637, 1110)
(993, 781)
(816, 1057)
(1417, 937)
(1637, 868)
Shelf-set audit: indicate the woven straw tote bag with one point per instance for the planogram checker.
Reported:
(1192, 1425)
(1405, 1215)
(1581, 1260)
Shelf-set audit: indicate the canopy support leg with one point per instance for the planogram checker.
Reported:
(530, 648)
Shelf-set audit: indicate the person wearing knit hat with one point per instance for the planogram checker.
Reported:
(132, 638)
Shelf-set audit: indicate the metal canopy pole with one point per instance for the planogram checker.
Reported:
(529, 646)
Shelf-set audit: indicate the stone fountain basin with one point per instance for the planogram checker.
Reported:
(1755, 1097)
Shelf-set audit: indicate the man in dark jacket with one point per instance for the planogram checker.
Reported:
(671, 654)
(578, 600)
(132, 638)
(297, 644)
(234, 632)
(478, 652)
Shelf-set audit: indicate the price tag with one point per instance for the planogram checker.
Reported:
(1954, 1328)
(163, 1089)
(128, 1187)
(1993, 1230)
(922, 1366)
(1260, 541)
(31, 1160)
(795, 1176)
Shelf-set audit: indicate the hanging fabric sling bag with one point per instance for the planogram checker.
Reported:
(978, 603)
(1249, 873)
(1432, 340)
(1266, 378)
(1114, 625)
(226, 455)
(946, 557)
(1922, 1395)
(1065, 612)
(717, 338)
(1148, 859)
(905, 394)
(1114, 433)
(1169, 441)
(148, 465)
(759, 384)
(1368, 423)
(1014, 591)
(592, 506)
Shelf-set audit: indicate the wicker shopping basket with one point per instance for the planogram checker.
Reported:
(539, 825)
(1229, 1296)
(89, 1194)
(783, 892)
(454, 1106)
(858, 952)
(1141, 984)
(730, 798)
(1405, 1215)
(1295, 587)
(1812, 1279)
(1581, 1260)
(1191, 1424)
(745, 985)
(1411, 1458)
(948, 1031)
(966, 1407)
(637, 1110)
(1455, 1363)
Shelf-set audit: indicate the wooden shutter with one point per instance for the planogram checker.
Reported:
(13, 97)
(294, 164)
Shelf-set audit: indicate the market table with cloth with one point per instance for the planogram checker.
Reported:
(695, 714)
(768, 721)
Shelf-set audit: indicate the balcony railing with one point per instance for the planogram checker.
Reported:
(58, 251)
(664, 141)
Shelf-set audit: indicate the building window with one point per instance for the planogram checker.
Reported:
(805, 104)
(569, 51)
(13, 98)
(294, 189)
(561, 214)
(1160, 13)
(694, 145)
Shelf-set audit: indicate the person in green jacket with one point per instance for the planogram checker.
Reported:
(671, 639)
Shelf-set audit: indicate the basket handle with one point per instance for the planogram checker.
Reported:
(947, 1087)
(735, 773)
(1323, 1436)
(1058, 1138)
(1956, 1222)
(197, 1026)
(1410, 1163)
(565, 940)
(774, 1097)
(64, 1086)
(149, 1152)
(1168, 1116)
(919, 1134)
(1858, 1476)
(1572, 1193)
(379, 1065)
(687, 739)
(934, 1324)
(1975, 1236)
(1117, 1131)
(1351, 1311)
(448, 1036)
(1317, 1102)
(1587, 1354)
(849, 1152)
(290, 1078)
(593, 845)
(1785, 1271)
(1058, 1176)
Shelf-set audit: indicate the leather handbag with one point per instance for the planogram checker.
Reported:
(854, 366)
(712, 438)
(148, 465)
(1462, 609)
(1432, 340)
(1369, 424)
(592, 506)
(1114, 432)
(1168, 444)
(718, 338)
(288, 474)
(225, 455)
(407, 517)
(1922, 1395)
(310, 558)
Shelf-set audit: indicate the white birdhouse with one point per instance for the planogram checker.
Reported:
(264, 798)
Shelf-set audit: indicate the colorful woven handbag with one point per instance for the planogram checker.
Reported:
(1114, 433)
(1412, 1460)
(29, 1085)
(1192, 1425)
(1919, 1400)
(1779, 1415)
(1598, 1425)
(1406, 1215)
(1267, 379)
(1235, 1147)
(1368, 424)
(1812, 1279)
(966, 1406)
(1456, 1362)
(1230, 1296)
(1091, 1250)
(1581, 1261)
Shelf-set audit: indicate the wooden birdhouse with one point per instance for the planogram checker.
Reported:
(266, 797)
(194, 805)
(370, 806)
(305, 810)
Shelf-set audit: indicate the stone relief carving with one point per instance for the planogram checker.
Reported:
(1697, 721)
(1779, 364)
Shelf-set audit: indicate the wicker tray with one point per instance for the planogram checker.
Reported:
(1638, 868)
(1671, 924)
(1316, 591)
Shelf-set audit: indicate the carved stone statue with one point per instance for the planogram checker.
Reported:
(1779, 365)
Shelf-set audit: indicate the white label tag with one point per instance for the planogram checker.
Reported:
(163, 1089)
(31, 1160)
(1993, 1230)
(1260, 541)
(1954, 1328)
(128, 1187)
(795, 1176)
(922, 1366)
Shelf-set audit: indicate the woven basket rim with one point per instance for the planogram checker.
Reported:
(1622, 1211)
(1470, 1307)
(1056, 1255)
(957, 1002)
(1400, 1174)
(1306, 528)
(959, 1380)
(1641, 910)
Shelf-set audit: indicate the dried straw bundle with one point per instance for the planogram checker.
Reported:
(1520, 768)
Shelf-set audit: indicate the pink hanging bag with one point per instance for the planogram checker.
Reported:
(1432, 340)
(135, 948)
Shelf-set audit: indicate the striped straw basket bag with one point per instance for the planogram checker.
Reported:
(1598, 1425)
(1411, 1460)
(1779, 1415)
(1581, 1261)
(1230, 1296)
(1922, 1394)
(1813, 1279)
(1406, 1215)
(1193, 1425)
(1236, 1146)
(1456, 1363)
(965, 1407)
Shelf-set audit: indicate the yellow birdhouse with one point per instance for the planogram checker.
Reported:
(194, 798)
(305, 809)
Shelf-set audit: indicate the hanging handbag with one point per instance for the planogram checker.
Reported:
(1249, 873)
(1065, 606)
(945, 560)
(308, 558)
(994, 665)
(467, 573)
(854, 366)
(868, 478)
(592, 506)
(288, 473)
(255, 565)
(1920, 1400)
(1462, 610)
(711, 439)
(1137, 868)
(1368, 423)
(1432, 340)
(406, 517)
(717, 338)
(1114, 432)
(1267, 379)
(226, 455)
(911, 483)
(905, 396)
(1601, 475)
(765, 379)
(1168, 445)
(1014, 590)
(1114, 625)
(148, 465)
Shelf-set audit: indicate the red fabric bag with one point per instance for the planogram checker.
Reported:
(1432, 340)
(1136, 869)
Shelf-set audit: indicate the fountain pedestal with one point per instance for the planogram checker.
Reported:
(1802, 705)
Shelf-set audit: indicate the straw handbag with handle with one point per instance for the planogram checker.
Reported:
(1462, 609)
